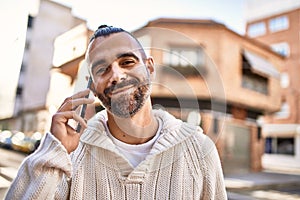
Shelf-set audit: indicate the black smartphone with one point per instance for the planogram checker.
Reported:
(83, 108)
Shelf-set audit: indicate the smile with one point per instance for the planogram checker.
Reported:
(121, 90)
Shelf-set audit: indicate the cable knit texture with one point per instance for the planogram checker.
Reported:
(182, 164)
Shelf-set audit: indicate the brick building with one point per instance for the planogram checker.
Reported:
(277, 24)
(236, 81)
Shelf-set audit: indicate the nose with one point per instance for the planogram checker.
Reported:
(117, 74)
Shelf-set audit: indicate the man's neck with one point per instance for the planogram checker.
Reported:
(137, 129)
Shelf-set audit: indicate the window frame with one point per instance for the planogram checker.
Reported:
(257, 29)
(248, 74)
(279, 23)
(272, 145)
(175, 58)
(281, 47)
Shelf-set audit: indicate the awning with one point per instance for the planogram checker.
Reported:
(281, 130)
(261, 65)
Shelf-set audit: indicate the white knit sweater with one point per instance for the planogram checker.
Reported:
(183, 164)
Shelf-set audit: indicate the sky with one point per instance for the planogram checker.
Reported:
(132, 14)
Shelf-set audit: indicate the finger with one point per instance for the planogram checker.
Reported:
(79, 119)
(75, 108)
(81, 94)
(77, 102)
(64, 118)
(64, 102)
(72, 104)
(71, 130)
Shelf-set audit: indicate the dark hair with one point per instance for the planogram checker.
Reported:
(105, 30)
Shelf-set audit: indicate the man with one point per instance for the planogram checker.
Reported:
(128, 151)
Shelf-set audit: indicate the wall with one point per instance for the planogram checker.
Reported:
(53, 19)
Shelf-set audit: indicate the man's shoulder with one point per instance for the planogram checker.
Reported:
(197, 134)
(172, 124)
(98, 120)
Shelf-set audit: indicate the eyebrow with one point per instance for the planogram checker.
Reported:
(121, 55)
(127, 54)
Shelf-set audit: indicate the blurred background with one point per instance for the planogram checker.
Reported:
(231, 67)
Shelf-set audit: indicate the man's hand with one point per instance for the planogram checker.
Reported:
(60, 127)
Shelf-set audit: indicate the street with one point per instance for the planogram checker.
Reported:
(265, 186)
(291, 193)
(9, 164)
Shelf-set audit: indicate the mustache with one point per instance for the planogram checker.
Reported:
(121, 85)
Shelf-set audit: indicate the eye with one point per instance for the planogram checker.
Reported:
(101, 70)
(127, 62)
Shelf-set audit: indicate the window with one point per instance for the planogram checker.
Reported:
(19, 91)
(279, 23)
(30, 21)
(188, 61)
(183, 57)
(278, 145)
(284, 80)
(256, 29)
(281, 48)
(253, 81)
(284, 111)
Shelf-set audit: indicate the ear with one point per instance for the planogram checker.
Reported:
(151, 66)
(92, 88)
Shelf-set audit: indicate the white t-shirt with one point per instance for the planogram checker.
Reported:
(135, 153)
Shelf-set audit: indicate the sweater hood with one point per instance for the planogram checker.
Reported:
(173, 131)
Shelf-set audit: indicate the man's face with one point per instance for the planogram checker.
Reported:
(121, 78)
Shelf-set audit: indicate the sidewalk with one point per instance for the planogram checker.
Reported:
(263, 186)
(261, 180)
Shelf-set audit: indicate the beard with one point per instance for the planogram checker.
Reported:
(126, 104)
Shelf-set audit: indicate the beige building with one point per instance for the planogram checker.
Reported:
(277, 24)
(31, 111)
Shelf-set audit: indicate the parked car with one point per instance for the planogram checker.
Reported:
(5, 139)
(25, 144)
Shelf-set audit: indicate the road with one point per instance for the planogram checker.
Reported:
(291, 193)
(263, 186)
(9, 164)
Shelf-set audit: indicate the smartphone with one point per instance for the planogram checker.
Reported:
(84, 106)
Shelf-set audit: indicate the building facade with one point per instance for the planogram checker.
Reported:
(230, 80)
(278, 27)
(31, 113)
